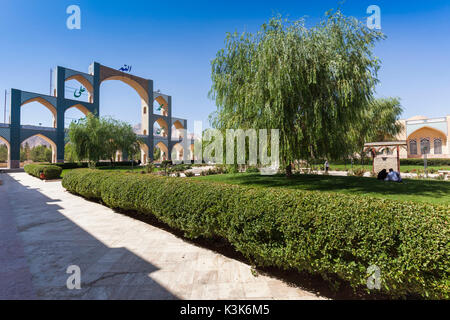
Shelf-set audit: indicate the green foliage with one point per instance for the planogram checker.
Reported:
(156, 154)
(189, 174)
(94, 139)
(311, 84)
(378, 123)
(41, 154)
(252, 169)
(50, 171)
(359, 172)
(165, 164)
(76, 165)
(430, 162)
(3, 153)
(317, 232)
(180, 167)
(69, 155)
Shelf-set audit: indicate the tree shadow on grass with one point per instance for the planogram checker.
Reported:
(436, 191)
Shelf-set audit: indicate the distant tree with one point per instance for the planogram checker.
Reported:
(27, 150)
(311, 84)
(156, 154)
(68, 153)
(23, 154)
(88, 138)
(3, 153)
(40, 154)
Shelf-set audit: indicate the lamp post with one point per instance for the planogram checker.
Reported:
(425, 164)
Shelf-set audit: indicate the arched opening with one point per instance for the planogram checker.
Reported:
(423, 140)
(177, 130)
(160, 128)
(4, 153)
(424, 146)
(125, 102)
(31, 113)
(177, 152)
(74, 113)
(78, 88)
(161, 106)
(437, 146)
(37, 148)
(413, 147)
(160, 152)
(144, 153)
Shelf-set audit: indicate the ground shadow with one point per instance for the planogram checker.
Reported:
(302, 280)
(52, 242)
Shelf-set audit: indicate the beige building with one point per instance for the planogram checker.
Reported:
(424, 135)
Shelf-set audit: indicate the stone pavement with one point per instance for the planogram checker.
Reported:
(44, 229)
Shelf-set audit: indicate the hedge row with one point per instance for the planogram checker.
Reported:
(49, 171)
(430, 162)
(76, 165)
(318, 232)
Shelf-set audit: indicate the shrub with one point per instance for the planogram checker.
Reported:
(318, 232)
(252, 169)
(50, 171)
(431, 162)
(189, 174)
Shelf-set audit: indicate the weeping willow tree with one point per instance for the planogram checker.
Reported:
(313, 84)
(95, 139)
(378, 123)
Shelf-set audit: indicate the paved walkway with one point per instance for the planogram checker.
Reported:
(44, 229)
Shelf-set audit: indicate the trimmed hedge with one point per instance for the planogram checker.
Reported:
(430, 162)
(77, 165)
(318, 232)
(50, 171)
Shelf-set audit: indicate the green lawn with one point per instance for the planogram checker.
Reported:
(412, 190)
(403, 168)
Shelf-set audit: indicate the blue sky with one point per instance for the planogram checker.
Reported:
(173, 42)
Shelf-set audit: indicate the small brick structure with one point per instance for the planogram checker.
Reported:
(385, 155)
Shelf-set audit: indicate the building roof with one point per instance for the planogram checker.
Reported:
(386, 143)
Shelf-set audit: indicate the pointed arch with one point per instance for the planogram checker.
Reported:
(80, 107)
(144, 153)
(177, 128)
(46, 139)
(85, 82)
(141, 91)
(164, 151)
(426, 131)
(177, 152)
(425, 137)
(45, 103)
(8, 147)
(164, 106)
(163, 125)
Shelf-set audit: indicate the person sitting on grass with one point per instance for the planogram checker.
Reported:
(382, 174)
(393, 176)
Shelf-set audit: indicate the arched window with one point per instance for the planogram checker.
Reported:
(412, 147)
(425, 146)
(145, 110)
(437, 146)
(145, 132)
